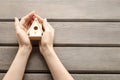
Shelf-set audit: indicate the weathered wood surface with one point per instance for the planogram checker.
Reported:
(75, 59)
(79, 25)
(62, 9)
(76, 76)
(72, 33)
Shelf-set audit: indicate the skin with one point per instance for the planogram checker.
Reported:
(17, 68)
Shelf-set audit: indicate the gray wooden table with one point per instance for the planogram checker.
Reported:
(87, 37)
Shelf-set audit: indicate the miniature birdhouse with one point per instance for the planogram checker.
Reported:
(35, 31)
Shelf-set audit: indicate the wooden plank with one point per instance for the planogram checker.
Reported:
(75, 76)
(63, 9)
(72, 33)
(75, 59)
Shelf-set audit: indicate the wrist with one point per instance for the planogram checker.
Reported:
(47, 50)
(26, 48)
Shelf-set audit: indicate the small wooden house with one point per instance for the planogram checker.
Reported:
(35, 31)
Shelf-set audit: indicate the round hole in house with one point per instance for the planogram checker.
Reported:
(35, 28)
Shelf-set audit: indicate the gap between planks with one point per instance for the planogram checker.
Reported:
(65, 45)
(71, 20)
(70, 71)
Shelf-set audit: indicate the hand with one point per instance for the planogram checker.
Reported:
(46, 41)
(21, 28)
(48, 36)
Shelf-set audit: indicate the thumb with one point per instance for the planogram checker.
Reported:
(16, 23)
(45, 25)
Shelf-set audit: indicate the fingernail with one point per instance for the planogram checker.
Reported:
(45, 19)
(15, 18)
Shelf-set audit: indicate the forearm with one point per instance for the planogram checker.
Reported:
(56, 67)
(17, 68)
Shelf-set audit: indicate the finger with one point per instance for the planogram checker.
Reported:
(48, 24)
(30, 22)
(28, 17)
(45, 19)
(16, 23)
(39, 18)
(45, 25)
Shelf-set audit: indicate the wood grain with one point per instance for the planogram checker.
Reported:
(62, 9)
(75, 59)
(78, 33)
(82, 30)
(76, 76)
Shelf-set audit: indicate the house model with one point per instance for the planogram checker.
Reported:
(35, 31)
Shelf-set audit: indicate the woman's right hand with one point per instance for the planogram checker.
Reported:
(59, 72)
(46, 42)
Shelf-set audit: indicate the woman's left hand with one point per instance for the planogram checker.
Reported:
(21, 28)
